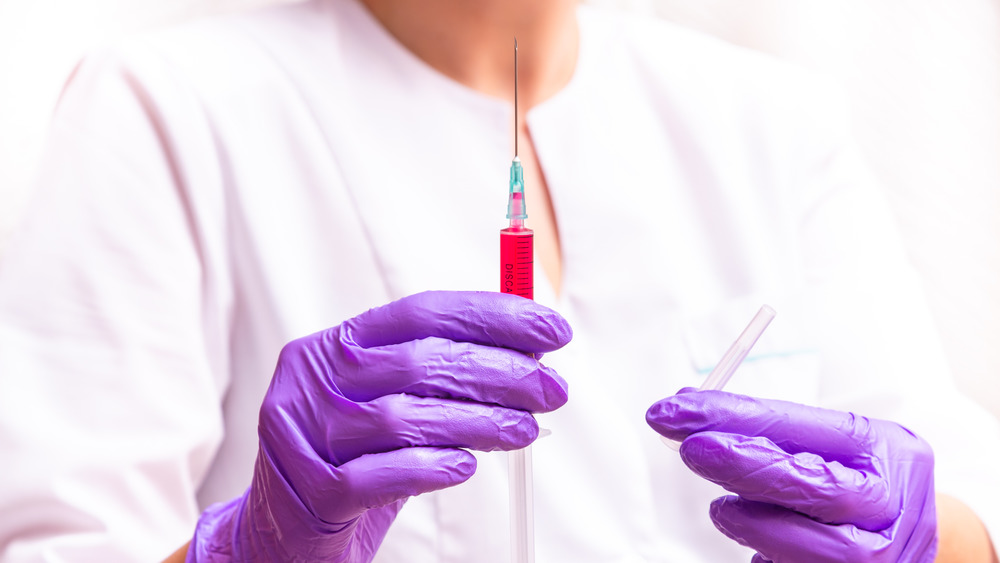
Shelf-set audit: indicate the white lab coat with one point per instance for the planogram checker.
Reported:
(211, 192)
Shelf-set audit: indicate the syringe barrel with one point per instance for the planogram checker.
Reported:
(517, 262)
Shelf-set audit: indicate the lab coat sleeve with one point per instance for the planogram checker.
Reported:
(111, 323)
(883, 355)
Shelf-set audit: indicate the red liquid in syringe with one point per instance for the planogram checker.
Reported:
(517, 261)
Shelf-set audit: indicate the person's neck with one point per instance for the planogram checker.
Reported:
(472, 41)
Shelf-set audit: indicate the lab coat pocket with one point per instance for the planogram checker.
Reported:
(783, 364)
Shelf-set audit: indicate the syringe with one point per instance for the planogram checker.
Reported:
(517, 274)
(517, 250)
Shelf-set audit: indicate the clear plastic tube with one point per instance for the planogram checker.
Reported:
(522, 511)
(733, 357)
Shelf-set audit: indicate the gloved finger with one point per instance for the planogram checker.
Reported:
(434, 367)
(758, 558)
(380, 479)
(488, 318)
(785, 536)
(352, 430)
(836, 436)
(758, 470)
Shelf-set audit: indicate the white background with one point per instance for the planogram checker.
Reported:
(923, 75)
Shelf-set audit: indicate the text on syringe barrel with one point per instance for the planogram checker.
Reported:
(517, 262)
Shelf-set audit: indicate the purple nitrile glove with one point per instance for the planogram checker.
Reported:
(814, 485)
(362, 416)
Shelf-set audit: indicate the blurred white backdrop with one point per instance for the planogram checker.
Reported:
(923, 76)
